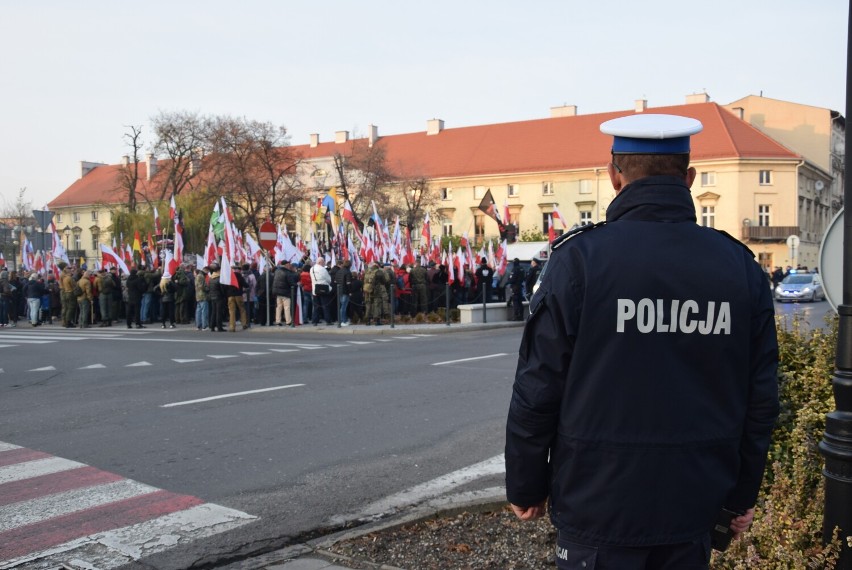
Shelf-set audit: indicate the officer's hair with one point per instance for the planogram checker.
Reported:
(636, 166)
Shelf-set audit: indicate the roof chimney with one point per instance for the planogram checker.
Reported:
(341, 137)
(697, 98)
(314, 140)
(373, 134)
(434, 126)
(151, 163)
(125, 161)
(563, 111)
(86, 167)
(739, 112)
(640, 105)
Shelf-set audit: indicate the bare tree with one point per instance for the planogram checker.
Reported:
(363, 176)
(252, 165)
(415, 197)
(129, 174)
(182, 138)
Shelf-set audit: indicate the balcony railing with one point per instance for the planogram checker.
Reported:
(769, 233)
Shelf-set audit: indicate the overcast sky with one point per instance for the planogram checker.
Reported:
(75, 75)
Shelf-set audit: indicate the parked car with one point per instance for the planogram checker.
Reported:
(800, 287)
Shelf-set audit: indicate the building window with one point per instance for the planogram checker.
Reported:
(585, 218)
(447, 229)
(547, 188)
(708, 216)
(446, 193)
(514, 190)
(708, 179)
(765, 177)
(94, 215)
(585, 186)
(763, 215)
(58, 217)
(78, 242)
(546, 218)
(479, 227)
(75, 217)
(95, 242)
(478, 192)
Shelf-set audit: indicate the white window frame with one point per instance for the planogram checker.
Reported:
(58, 217)
(78, 241)
(547, 188)
(585, 217)
(446, 193)
(94, 215)
(708, 216)
(708, 178)
(75, 217)
(513, 190)
(765, 177)
(585, 186)
(479, 192)
(764, 215)
(447, 229)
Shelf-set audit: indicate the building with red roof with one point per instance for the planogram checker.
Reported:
(749, 184)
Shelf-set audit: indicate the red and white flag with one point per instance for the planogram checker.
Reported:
(557, 215)
(110, 257)
(426, 232)
(172, 208)
(551, 232)
(451, 270)
(158, 229)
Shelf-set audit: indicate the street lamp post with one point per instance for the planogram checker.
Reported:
(67, 232)
(836, 445)
(15, 244)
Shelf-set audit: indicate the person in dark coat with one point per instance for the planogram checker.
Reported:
(216, 297)
(136, 287)
(643, 408)
(516, 283)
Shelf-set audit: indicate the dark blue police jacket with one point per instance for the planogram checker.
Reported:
(646, 389)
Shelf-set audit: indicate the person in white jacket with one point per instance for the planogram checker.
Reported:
(321, 291)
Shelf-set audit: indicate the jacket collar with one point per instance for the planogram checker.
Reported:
(653, 199)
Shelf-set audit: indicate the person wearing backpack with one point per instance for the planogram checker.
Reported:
(106, 287)
(67, 286)
(85, 296)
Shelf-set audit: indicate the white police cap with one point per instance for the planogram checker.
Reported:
(650, 133)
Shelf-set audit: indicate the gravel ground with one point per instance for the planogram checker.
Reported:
(468, 541)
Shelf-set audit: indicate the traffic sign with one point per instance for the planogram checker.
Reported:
(831, 261)
(268, 236)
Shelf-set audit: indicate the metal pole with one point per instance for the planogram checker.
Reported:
(836, 446)
(392, 301)
(484, 301)
(268, 316)
(338, 304)
(448, 303)
(294, 290)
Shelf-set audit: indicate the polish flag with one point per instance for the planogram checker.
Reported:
(158, 229)
(551, 232)
(557, 215)
(451, 270)
(297, 311)
(426, 232)
(172, 208)
(178, 241)
(226, 275)
(210, 250)
(110, 257)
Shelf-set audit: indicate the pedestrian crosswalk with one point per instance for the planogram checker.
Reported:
(58, 513)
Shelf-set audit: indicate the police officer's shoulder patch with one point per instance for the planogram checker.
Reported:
(572, 233)
(735, 240)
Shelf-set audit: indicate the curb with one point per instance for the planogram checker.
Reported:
(474, 501)
(385, 330)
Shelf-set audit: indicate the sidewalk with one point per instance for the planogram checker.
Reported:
(314, 554)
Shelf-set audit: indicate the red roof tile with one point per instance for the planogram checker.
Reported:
(541, 145)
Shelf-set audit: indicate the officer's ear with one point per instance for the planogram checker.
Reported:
(615, 177)
(691, 173)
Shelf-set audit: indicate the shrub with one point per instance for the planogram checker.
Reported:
(787, 529)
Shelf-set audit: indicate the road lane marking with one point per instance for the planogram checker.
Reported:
(26, 341)
(360, 341)
(143, 363)
(251, 342)
(233, 395)
(469, 359)
(44, 369)
(59, 504)
(185, 360)
(428, 490)
(90, 367)
(217, 356)
(35, 468)
(284, 349)
(253, 353)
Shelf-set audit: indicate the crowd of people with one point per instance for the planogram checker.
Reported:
(79, 297)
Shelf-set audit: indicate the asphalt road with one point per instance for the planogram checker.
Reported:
(311, 431)
(811, 315)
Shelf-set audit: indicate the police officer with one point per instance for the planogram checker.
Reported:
(643, 407)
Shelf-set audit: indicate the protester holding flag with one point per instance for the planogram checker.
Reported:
(202, 307)
(167, 298)
(216, 298)
(136, 287)
(321, 290)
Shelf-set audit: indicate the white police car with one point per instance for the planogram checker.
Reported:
(800, 287)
